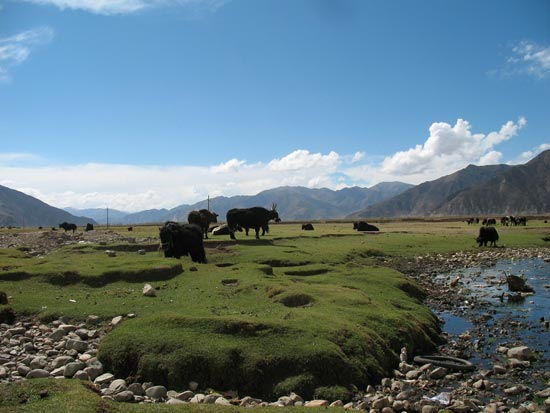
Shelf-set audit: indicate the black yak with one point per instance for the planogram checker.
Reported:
(255, 217)
(363, 226)
(487, 235)
(182, 239)
(203, 219)
(68, 226)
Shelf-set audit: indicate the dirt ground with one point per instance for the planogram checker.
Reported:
(44, 242)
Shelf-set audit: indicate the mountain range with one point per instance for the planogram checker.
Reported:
(293, 202)
(472, 191)
(20, 210)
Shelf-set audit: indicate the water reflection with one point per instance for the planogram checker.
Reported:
(501, 316)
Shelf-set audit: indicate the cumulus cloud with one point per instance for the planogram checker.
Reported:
(490, 158)
(449, 147)
(15, 49)
(133, 187)
(302, 159)
(113, 7)
(233, 165)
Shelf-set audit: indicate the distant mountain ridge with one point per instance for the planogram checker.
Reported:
(474, 190)
(21, 210)
(293, 203)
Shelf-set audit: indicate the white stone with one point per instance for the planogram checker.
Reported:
(39, 362)
(198, 398)
(124, 396)
(438, 373)
(185, 396)
(104, 378)
(72, 368)
(38, 374)
(61, 361)
(211, 398)
(520, 353)
(81, 375)
(137, 389)
(156, 392)
(149, 291)
(222, 401)
(317, 403)
(118, 385)
(78, 345)
(58, 372)
(116, 320)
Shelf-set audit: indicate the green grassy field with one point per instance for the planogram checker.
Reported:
(294, 311)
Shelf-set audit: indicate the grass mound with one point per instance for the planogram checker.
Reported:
(266, 335)
(254, 358)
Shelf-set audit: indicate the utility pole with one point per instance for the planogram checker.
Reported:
(209, 202)
(107, 217)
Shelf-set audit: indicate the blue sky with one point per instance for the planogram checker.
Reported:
(140, 104)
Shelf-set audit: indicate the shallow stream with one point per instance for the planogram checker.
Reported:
(491, 316)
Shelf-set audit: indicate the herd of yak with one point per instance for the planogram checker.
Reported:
(187, 239)
(179, 240)
(488, 234)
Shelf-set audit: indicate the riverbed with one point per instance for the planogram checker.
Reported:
(488, 317)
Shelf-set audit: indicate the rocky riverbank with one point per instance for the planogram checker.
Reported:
(30, 349)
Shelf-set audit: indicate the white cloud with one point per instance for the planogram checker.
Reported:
(302, 159)
(9, 158)
(113, 7)
(134, 188)
(490, 158)
(357, 156)
(233, 165)
(530, 154)
(448, 148)
(14, 50)
(527, 58)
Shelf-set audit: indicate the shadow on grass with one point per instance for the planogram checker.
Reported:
(160, 273)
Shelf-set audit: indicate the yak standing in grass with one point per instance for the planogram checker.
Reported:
(177, 240)
(203, 219)
(307, 227)
(68, 226)
(487, 235)
(255, 217)
(265, 229)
